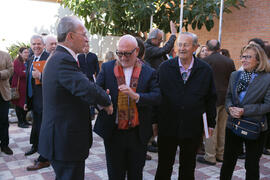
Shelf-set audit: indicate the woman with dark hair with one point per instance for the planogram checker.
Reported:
(19, 80)
(247, 101)
(257, 41)
(225, 52)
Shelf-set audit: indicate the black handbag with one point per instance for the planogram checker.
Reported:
(246, 127)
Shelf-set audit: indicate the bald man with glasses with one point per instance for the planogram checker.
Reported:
(133, 89)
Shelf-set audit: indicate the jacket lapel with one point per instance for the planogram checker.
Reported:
(175, 70)
(251, 87)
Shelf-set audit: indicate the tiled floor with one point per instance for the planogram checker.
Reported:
(14, 167)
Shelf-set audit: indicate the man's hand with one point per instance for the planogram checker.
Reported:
(128, 91)
(36, 74)
(210, 131)
(173, 29)
(109, 109)
(25, 107)
(236, 112)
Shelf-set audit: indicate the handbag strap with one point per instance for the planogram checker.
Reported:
(18, 82)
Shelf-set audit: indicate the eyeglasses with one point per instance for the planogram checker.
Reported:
(247, 57)
(82, 34)
(126, 54)
(184, 45)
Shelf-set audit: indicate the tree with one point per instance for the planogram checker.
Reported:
(118, 17)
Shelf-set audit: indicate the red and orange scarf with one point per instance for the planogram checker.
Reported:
(127, 110)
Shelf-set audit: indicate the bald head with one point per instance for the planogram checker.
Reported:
(213, 45)
(128, 40)
(127, 51)
(50, 43)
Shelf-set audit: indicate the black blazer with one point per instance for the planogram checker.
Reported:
(222, 68)
(35, 102)
(183, 104)
(66, 133)
(89, 64)
(149, 96)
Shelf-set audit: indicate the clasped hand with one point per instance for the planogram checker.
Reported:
(236, 112)
(128, 91)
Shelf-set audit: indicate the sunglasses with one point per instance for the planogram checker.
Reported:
(126, 54)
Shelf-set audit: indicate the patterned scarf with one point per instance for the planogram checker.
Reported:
(244, 81)
(127, 110)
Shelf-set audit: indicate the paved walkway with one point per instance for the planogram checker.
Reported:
(14, 167)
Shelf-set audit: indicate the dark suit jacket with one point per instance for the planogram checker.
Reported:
(65, 133)
(35, 102)
(256, 102)
(89, 64)
(156, 55)
(149, 96)
(183, 104)
(222, 68)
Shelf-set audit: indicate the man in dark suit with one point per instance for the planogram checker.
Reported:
(66, 132)
(89, 63)
(222, 68)
(34, 98)
(133, 89)
(90, 67)
(187, 89)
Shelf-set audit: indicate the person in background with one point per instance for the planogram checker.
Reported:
(6, 71)
(19, 80)
(34, 98)
(248, 97)
(50, 43)
(202, 52)
(88, 63)
(109, 56)
(225, 52)
(154, 54)
(266, 149)
(222, 67)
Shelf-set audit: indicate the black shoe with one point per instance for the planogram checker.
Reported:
(203, 161)
(6, 150)
(27, 123)
(31, 151)
(219, 160)
(266, 151)
(23, 125)
(152, 149)
(242, 156)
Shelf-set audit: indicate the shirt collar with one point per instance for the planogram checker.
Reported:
(190, 66)
(70, 51)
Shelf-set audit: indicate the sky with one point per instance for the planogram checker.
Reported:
(20, 19)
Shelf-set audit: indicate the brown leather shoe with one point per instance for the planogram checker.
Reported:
(38, 165)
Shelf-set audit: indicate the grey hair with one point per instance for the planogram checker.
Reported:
(154, 33)
(67, 24)
(46, 38)
(36, 36)
(194, 37)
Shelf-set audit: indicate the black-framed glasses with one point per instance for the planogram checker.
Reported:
(126, 54)
(246, 57)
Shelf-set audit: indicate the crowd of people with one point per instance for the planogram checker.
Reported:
(147, 99)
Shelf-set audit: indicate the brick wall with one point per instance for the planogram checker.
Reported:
(240, 26)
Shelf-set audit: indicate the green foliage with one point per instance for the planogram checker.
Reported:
(13, 50)
(118, 17)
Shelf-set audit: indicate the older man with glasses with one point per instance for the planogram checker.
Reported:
(133, 89)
